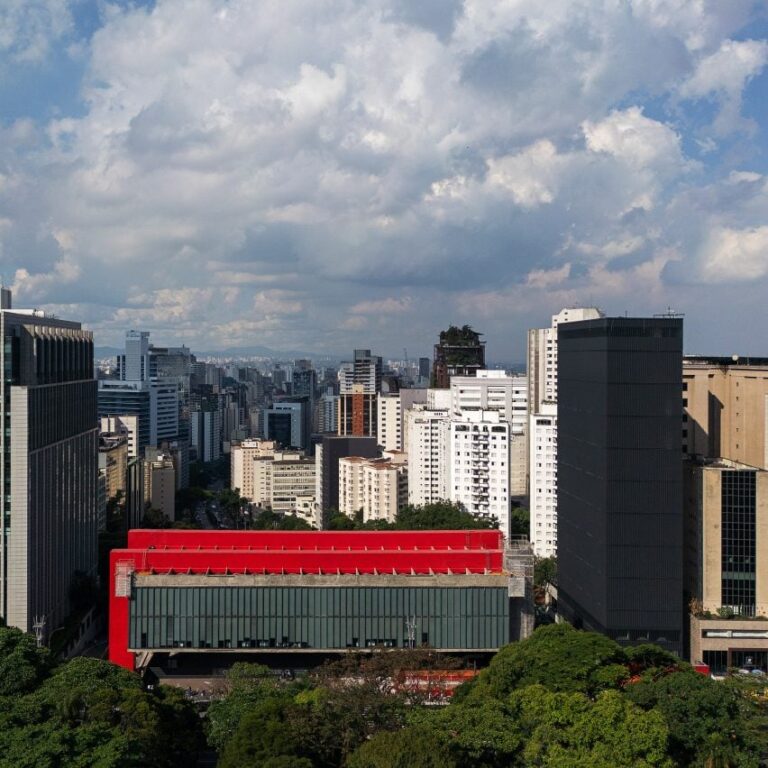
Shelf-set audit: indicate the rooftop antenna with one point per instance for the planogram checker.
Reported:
(670, 313)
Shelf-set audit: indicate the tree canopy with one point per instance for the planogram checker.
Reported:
(440, 515)
(86, 712)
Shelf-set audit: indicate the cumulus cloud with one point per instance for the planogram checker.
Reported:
(723, 75)
(735, 254)
(28, 28)
(297, 170)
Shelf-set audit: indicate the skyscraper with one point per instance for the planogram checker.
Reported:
(50, 464)
(359, 383)
(619, 465)
(140, 392)
(542, 428)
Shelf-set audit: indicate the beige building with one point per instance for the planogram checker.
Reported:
(290, 476)
(160, 484)
(727, 563)
(113, 463)
(242, 465)
(378, 487)
(725, 408)
(271, 478)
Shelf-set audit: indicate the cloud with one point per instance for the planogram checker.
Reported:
(382, 306)
(723, 75)
(735, 254)
(634, 138)
(298, 170)
(28, 28)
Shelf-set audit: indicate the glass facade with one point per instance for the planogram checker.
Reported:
(738, 541)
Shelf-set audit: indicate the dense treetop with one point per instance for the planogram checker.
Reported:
(561, 699)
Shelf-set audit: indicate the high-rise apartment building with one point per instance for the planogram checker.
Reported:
(359, 384)
(389, 422)
(50, 464)
(542, 355)
(542, 463)
(459, 352)
(427, 437)
(479, 464)
(492, 390)
(279, 478)
(542, 425)
(620, 522)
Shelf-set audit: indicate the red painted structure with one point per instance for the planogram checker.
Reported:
(289, 552)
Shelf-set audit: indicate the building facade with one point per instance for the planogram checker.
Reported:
(50, 465)
(459, 352)
(328, 452)
(290, 595)
(726, 408)
(479, 465)
(543, 480)
(727, 563)
(427, 436)
(359, 385)
(376, 487)
(542, 414)
(389, 422)
(619, 474)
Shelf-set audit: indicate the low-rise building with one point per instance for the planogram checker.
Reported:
(376, 487)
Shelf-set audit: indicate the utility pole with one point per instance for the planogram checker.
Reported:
(38, 625)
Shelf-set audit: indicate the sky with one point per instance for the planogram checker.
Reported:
(321, 175)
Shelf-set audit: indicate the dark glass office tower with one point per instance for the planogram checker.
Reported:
(620, 520)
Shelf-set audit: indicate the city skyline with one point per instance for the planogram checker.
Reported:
(365, 174)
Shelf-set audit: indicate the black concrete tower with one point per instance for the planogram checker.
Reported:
(620, 519)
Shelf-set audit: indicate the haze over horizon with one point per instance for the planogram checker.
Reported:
(331, 175)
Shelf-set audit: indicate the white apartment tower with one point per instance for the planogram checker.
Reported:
(427, 432)
(542, 427)
(389, 432)
(543, 473)
(508, 395)
(479, 452)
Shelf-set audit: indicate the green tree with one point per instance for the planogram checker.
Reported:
(567, 730)
(558, 657)
(703, 716)
(155, 518)
(412, 747)
(91, 713)
(520, 522)
(338, 521)
(544, 572)
(248, 686)
(442, 515)
(264, 737)
(22, 664)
